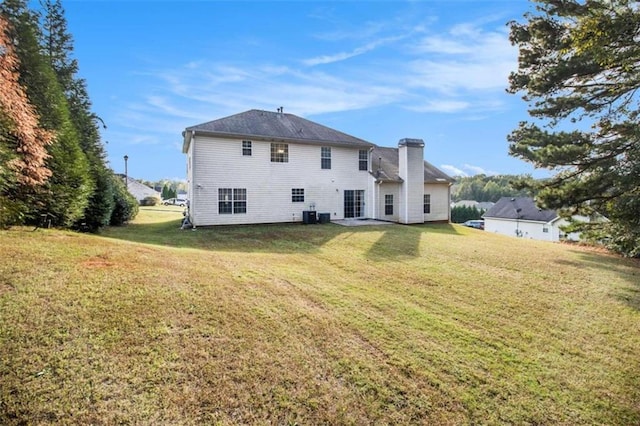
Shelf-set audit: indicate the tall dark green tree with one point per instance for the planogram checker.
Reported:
(578, 71)
(57, 45)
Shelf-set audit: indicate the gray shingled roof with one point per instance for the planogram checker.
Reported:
(522, 208)
(268, 125)
(385, 163)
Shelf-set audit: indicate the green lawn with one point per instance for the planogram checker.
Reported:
(313, 324)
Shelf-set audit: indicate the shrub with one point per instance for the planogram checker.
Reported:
(150, 201)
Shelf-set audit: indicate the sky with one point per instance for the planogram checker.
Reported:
(377, 70)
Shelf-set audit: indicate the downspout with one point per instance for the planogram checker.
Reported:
(191, 204)
(449, 202)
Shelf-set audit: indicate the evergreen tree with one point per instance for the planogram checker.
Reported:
(66, 193)
(578, 72)
(165, 192)
(57, 44)
(126, 206)
(22, 141)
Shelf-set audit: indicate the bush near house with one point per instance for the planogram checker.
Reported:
(151, 201)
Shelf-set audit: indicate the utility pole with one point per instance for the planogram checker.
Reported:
(126, 178)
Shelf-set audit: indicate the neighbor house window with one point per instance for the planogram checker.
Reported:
(427, 203)
(297, 195)
(363, 157)
(545, 229)
(325, 157)
(388, 204)
(246, 147)
(279, 153)
(232, 200)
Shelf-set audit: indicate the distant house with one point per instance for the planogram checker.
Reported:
(520, 217)
(139, 190)
(266, 167)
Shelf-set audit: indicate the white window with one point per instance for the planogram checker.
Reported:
(388, 204)
(363, 159)
(232, 200)
(427, 203)
(279, 153)
(325, 157)
(246, 147)
(297, 195)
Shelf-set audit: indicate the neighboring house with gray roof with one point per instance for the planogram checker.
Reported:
(138, 190)
(266, 167)
(520, 217)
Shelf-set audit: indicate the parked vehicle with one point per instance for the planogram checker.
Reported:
(175, 202)
(478, 224)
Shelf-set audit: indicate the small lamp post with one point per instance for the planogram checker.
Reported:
(126, 178)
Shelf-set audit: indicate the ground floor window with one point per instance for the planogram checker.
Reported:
(388, 204)
(232, 200)
(297, 195)
(427, 203)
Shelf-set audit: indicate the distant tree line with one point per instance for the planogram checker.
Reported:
(461, 214)
(52, 160)
(488, 188)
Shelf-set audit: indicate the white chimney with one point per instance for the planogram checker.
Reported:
(411, 170)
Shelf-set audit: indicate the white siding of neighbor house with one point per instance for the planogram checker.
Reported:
(439, 202)
(219, 163)
(526, 229)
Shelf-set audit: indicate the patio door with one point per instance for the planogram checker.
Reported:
(353, 203)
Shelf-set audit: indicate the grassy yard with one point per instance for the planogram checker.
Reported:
(313, 324)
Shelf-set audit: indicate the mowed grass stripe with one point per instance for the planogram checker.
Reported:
(313, 324)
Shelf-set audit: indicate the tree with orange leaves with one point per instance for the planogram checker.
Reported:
(19, 130)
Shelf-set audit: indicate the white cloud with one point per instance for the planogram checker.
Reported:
(477, 170)
(327, 59)
(453, 170)
(445, 106)
(463, 70)
(466, 170)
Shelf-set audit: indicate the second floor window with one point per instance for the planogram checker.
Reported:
(246, 147)
(363, 157)
(279, 153)
(325, 157)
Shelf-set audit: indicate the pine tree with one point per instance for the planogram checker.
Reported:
(578, 72)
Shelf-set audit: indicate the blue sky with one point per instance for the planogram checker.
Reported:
(378, 70)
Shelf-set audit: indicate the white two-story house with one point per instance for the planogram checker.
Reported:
(266, 167)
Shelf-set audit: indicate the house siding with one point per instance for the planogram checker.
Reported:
(439, 202)
(383, 189)
(411, 171)
(219, 163)
(526, 229)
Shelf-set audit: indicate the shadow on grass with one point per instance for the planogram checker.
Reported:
(627, 269)
(396, 241)
(404, 241)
